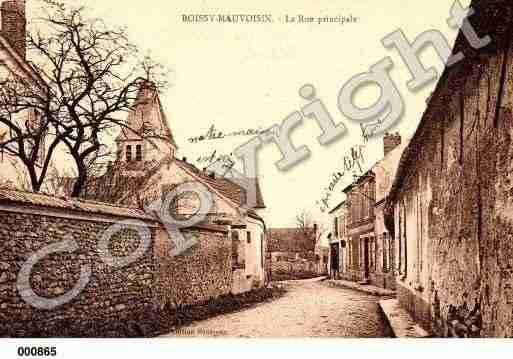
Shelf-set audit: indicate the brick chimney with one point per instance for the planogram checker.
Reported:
(14, 24)
(391, 141)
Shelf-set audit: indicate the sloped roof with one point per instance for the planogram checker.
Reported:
(147, 118)
(337, 207)
(220, 184)
(21, 62)
(492, 18)
(65, 203)
(116, 185)
(228, 188)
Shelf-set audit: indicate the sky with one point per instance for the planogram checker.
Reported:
(247, 76)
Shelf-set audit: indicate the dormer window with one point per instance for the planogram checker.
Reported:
(138, 153)
(129, 153)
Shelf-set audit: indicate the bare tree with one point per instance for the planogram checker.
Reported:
(90, 74)
(306, 222)
(25, 130)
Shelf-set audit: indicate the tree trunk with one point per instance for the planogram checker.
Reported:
(78, 187)
(34, 180)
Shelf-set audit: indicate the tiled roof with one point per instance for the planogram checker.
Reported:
(117, 184)
(65, 203)
(147, 118)
(225, 186)
(23, 63)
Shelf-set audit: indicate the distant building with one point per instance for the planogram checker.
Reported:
(361, 248)
(360, 228)
(384, 173)
(292, 253)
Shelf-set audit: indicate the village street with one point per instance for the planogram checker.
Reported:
(310, 308)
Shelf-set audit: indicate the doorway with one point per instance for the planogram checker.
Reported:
(366, 258)
(334, 260)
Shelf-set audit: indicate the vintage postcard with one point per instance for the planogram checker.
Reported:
(237, 169)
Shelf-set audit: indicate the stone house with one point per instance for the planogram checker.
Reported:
(361, 244)
(361, 247)
(450, 209)
(384, 173)
(147, 170)
(13, 61)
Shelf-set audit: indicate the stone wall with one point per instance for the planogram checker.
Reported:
(454, 210)
(201, 273)
(115, 302)
(290, 265)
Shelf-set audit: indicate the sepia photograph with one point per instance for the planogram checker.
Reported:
(226, 173)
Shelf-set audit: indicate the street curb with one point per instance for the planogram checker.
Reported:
(401, 323)
(369, 289)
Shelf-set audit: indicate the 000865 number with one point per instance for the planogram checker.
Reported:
(37, 351)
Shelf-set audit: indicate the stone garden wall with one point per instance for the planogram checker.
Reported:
(201, 273)
(116, 302)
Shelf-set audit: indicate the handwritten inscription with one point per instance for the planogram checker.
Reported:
(214, 134)
(351, 163)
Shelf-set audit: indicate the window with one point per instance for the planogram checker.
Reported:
(359, 205)
(365, 203)
(374, 253)
(237, 260)
(129, 153)
(385, 252)
(248, 236)
(370, 243)
(138, 153)
(351, 259)
(262, 250)
(336, 226)
(391, 251)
